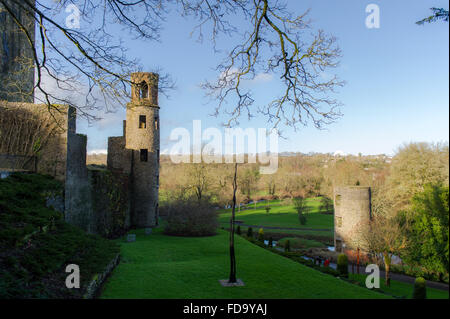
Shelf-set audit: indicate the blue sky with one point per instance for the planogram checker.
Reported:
(397, 80)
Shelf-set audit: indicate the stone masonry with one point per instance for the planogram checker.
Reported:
(16, 53)
(137, 152)
(352, 209)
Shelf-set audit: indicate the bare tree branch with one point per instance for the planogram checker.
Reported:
(93, 61)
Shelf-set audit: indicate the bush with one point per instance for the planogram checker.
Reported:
(191, 218)
(420, 288)
(261, 235)
(249, 232)
(287, 246)
(267, 208)
(238, 230)
(270, 242)
(342, 265)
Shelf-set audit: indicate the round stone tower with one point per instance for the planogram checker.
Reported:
(142, 136)
(352, 210)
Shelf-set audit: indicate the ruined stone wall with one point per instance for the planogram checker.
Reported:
(33, 130)
(110, 202)
(118, 158)
(78, 197)
(144, 87)
(352, 209)
(16, 54)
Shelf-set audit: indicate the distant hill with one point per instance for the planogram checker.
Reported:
(97, 159)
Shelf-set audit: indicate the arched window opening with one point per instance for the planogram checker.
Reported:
(143, 90)
(142, 121)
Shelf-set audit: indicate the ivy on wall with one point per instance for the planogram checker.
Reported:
(110, 202)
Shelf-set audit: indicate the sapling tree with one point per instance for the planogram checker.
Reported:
(301, 208)
(232, 278)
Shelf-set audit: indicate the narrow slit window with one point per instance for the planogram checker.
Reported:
(144, 155)
(157, 154)
(142, 121)
(339, 221)
(156, 123)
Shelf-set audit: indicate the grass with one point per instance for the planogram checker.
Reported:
(402, 289)
(36, 244)
(281, 215)
(301, 243)
(161, 266)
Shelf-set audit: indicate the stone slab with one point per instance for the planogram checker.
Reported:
(225, 283)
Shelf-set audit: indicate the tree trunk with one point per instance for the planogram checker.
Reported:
(232, 278)
(357, 261)
(387, 266)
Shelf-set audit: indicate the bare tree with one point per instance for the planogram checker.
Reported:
(382, 237)
(248, 181)
(232, 278)
(93, 60)
(199, 179)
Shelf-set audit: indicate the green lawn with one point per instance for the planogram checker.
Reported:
(298, 243)
(280, 215)
(160, 266)
(401, 289)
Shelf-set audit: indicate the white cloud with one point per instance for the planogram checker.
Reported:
(339, 153)
(99, 151)
(263, 77)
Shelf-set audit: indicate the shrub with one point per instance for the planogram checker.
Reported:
(267, 208)
(261, 235)
(191, 218)
(342, 265)
(420, 288)
(249, 232)
(287, 246)
(238, 230)
(270, 242)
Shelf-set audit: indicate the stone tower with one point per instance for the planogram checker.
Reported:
(142, 139)
(352, 209)
(16, 54)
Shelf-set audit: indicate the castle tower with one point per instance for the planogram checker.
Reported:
(16, 53)
(352, 209)
(142, 138)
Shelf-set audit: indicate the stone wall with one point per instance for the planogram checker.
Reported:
(16, 54)
(34, 130)
(110, 202)
(145, 174)
(143, 133)
(78, 198)
(145, 87)
(118, 158)
(352, 209)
